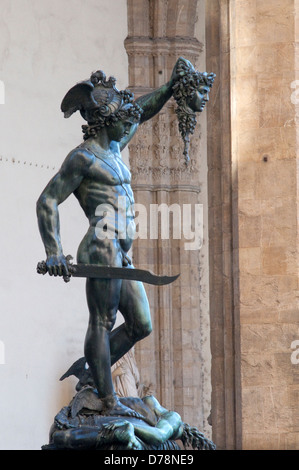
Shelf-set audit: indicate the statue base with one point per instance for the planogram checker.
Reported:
(132, 424)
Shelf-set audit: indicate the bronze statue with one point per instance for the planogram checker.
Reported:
(96, 174)
(191, 92)
(152, 428)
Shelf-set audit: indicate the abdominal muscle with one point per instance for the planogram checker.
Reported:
(106, 245)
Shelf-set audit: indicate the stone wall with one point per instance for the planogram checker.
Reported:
(253, 192)
(175, 359)
(46, 47)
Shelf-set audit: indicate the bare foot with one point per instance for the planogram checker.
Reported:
(114, 407)
(121, 432)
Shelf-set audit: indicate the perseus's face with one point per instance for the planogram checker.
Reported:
(119, 130)
(122, 127)
(199, 99)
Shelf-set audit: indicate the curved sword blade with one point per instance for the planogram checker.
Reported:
(109, 272)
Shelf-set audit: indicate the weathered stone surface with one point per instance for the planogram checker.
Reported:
(258, 67)
(158, 33)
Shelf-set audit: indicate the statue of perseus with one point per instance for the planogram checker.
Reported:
(96, 174)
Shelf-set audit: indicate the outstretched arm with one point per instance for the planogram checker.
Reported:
(58, 189)
(152, 103)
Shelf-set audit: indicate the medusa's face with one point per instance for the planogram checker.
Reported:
(199, 99)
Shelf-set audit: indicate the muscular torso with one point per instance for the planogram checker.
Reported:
(106, 196)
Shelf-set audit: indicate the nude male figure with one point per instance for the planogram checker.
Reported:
(96, 174)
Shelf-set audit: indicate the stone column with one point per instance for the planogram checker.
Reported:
(172, 358)
(253, 214)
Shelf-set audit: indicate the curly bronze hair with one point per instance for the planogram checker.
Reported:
(189, 82)
(130, 111)
(100, 103)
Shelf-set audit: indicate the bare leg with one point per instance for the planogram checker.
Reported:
(103, 301)
(134, 307)
(103, 298)
(84, 437)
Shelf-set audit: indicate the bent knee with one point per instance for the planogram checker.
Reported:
(145, 330)
(140, 331)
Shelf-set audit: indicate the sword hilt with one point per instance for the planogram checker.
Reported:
(42, 268)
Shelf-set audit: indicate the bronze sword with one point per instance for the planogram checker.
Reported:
(110, 272)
